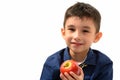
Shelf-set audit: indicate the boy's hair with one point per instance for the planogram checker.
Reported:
(82, 10)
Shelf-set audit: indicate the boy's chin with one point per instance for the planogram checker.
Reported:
(76, 51)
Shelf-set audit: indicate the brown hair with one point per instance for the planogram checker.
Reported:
(81, 10)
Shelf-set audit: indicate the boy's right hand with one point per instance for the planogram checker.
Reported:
(72, 76)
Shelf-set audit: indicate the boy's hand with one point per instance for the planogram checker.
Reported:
(72, 76)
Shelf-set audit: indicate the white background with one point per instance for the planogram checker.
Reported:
(30, 32)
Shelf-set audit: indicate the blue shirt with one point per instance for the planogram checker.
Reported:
(99, 66)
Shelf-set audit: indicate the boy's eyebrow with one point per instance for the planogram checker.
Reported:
(70, 26)
(87, 27)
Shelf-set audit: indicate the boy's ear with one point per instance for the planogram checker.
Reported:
(62, 32)
(98, 37)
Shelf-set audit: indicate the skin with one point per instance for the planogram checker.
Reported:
(79, 34)
(72, 76)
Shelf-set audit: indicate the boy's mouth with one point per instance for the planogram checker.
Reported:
(76, 43)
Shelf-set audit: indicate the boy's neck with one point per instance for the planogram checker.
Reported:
(79, 57)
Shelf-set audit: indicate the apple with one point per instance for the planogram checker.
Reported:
(70, 65)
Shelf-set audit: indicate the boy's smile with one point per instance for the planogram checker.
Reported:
(76, 44)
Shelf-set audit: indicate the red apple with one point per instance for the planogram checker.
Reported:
(70, 65)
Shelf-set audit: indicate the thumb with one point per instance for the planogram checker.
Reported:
(81, 71)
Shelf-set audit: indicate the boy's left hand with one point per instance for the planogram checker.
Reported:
(72, 76)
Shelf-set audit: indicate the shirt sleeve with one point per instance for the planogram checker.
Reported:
(46, 73)
(106, 72)
(50, 72)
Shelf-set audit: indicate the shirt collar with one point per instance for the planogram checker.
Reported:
(66, 54)
(90, 60)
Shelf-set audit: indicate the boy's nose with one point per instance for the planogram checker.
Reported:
(77, 36)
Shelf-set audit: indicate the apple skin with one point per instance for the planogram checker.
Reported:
(70, 65)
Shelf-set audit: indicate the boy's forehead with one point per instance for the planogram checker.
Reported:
(81, 18)
(78, 20)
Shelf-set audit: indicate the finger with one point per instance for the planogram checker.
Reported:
(68, 76)
(81, 72)
(76, 76)
(63, 77)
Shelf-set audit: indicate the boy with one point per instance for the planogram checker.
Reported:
(81, 29)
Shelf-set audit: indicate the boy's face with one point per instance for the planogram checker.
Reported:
(79, 34)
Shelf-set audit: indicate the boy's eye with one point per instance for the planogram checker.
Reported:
(85, 31)
(71, 29)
